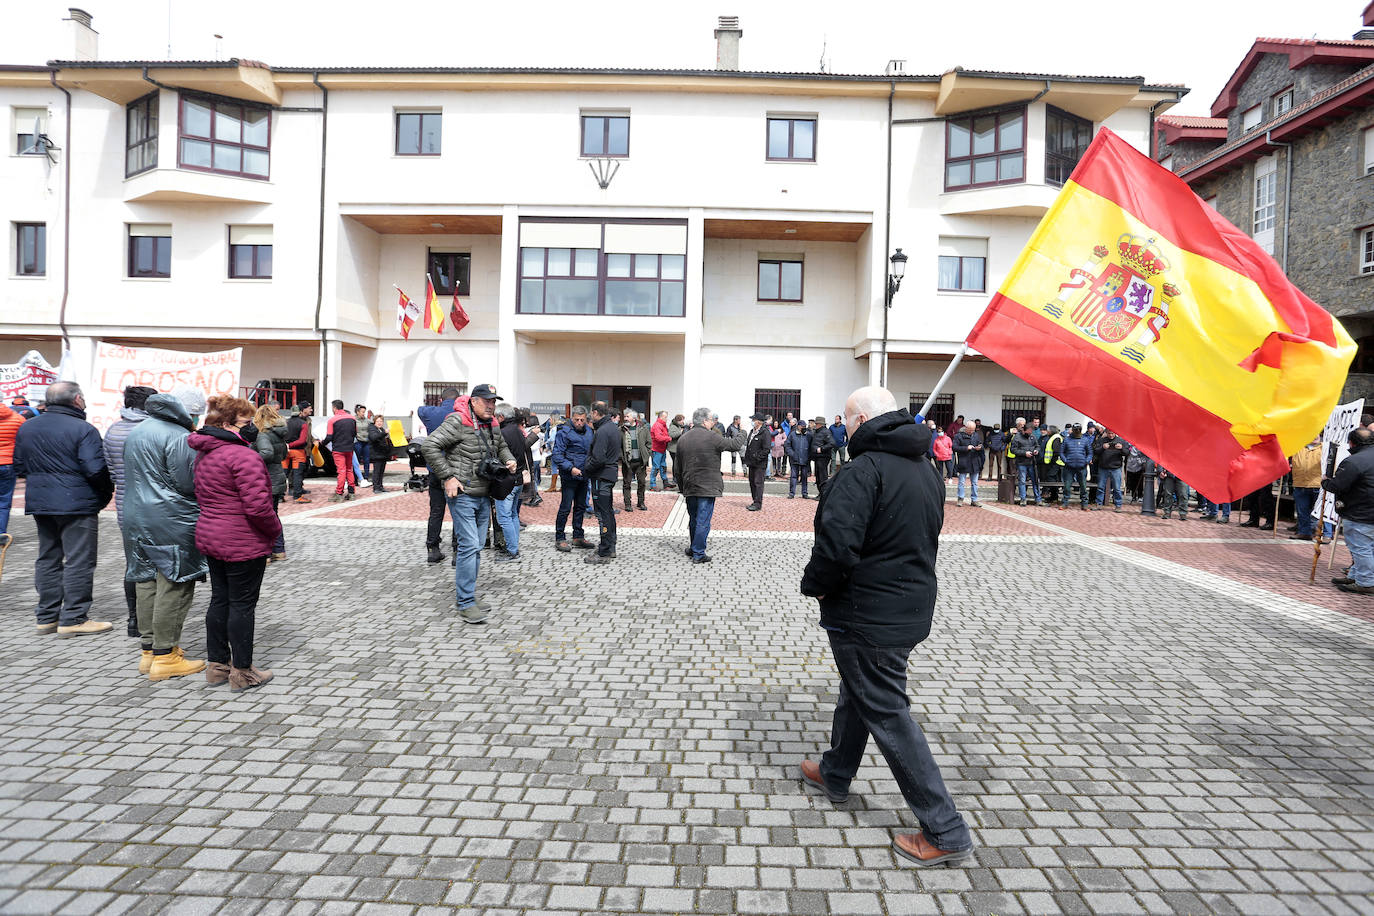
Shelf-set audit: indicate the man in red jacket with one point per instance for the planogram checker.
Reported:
(9, 428)
(659, 437)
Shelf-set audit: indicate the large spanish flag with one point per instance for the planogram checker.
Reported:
(434, 316)
(1140, 306)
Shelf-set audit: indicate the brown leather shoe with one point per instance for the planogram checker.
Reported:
(583, 543)
(918, 849)
(216, 673)
(246, 678)
(563, 546)
(811, 775)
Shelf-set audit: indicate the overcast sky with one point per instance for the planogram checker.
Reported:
(1194, 42)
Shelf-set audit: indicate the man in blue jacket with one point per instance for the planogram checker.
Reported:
(68, 483)
(1077, 452)
(570, 449)
(432, 415)
(841, 437)
(798, 452)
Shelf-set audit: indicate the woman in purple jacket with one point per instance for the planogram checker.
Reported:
(236, 530)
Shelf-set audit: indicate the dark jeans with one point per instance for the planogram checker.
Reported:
(822, 468)
(438, 508)
(873, 701)
(1072, 476)
(700, 509)
(603, 501)
(64, 572)
(574, 501)
(1304, 500)
(378, 472)
(360, 451)
(297, 481)
(6, 495)
(756, 477)
(279, 545)
(792, 474)
(229, 619)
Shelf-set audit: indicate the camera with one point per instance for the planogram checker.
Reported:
(490, 469)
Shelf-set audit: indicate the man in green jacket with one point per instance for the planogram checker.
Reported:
(634, 456)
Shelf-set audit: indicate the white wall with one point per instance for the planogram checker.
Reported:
(825, 377)
(733, 314)
(977, 387)
(402, 263)
(547, 370)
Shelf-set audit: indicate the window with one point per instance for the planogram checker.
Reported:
(645, 284)
(419, 133)
(581, 267)
(1026, 407)
(434, 391)
(225, 138)
(777, 402)
(606, 135)
(780, 280)
(140, 135)
(1066, 140)
(250, 252)
(25, 121)
(1366, 251)
(451, 273)
(1368, 151)
(1250, 119)
(963, 265)
(1283, 102)
(792, 139)
(942, 411)
(31, 249)
(1266, 181)
(559, 281)
(985, 150)
(150, 250)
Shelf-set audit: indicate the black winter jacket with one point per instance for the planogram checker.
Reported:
(378, 443)
(603, 460)
(1353, 485)
(759, 444)
(877, 534)
(1023, 443)
(63, 460)
(513, 431)
(967, 458)
(822, 444)
(1110, 454)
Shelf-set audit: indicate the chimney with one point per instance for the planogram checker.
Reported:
(84, 39)
(728, 34)
(1367, 17)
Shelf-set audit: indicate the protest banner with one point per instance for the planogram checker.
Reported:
(1335, 449)
(27, 378)
(116, 367)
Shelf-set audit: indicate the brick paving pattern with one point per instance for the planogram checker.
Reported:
(1193, 737)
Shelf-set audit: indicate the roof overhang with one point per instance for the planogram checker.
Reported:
(1173, 133)
(1093, 98)
(123, 85)
(24, 78)
(1299, 54)
(784, 230)
(429, 223)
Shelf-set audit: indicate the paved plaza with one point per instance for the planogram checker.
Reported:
(1136, 716)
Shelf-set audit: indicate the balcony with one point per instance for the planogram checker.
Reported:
(162, 184)
(1024, 199)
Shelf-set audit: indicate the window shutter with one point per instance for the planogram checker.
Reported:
(250, 235)
(153, 230)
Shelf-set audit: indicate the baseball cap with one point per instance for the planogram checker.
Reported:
(302, 405)
(757, 416)
(485, 392)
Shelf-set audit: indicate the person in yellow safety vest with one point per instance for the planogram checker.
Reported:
(1051, 450)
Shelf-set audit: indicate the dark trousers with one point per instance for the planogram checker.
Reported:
(378, 472)
(131, 599)
(574, 502)
(793, 473)
(603, 502)
(700, 509)
(297, 479)
(279, 545)
(756, 477)
(438, 508)
(639, 473)
(822, 468)
(360, 450)
(873, 701)
(64, 572)
(1078, 476)
(229, 620)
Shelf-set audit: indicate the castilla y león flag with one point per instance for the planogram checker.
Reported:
(1140, 306)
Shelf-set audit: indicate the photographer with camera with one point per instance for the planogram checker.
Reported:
(470, 458)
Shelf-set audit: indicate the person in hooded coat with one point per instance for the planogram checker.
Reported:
(160, 514)
(130, 415)
(271, 445)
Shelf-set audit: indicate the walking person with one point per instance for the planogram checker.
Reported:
(342, 433)
(432, 416)
(271, 445)
(466, 452)
(603, 463)
(659, 439)
(872, 568)
(635, 448)
(160, 513)
(571, 446)
(130, 415)
(235, 531)
(10, 421)
(67, 483)
(756, 454)
(298, 449)
(798, 452)
(379, 449)
(700, 449)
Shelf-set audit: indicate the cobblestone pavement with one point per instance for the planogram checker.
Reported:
(1135, 716)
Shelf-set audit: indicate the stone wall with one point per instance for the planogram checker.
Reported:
(1271, 75)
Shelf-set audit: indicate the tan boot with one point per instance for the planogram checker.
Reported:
(246, 678)
(217, 673)
(85, 629)
(174, 664)
(145, 661)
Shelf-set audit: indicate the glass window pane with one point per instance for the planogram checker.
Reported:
(255, 124)
(777, 138)
(133, 126)
(586, 260)
(41, 248)
(593, 136)
(983, 137)
(570, 297)
(1054, 134)
(241, 256)
(1011, 167)
(670, 296)
(407, 134)
(143, 256)
(632, 297)
(532, 295)
(791, 286)
(956, 174)
(440, 273)
(264, 260)
(431, 133)
(133, 160)
(985, 170)
(617, 265)
(1010, 132)
(949, 272)
(803, 139)
(228, 158)
(646, 265)
(255, 162)
(164, 257)
(958, 139)
(674, 266)
(532, 262)
(560, 262)
(973, 273)
(768, 280)
(195, 153)
(229, 124)
(195, 119)
(618, 144)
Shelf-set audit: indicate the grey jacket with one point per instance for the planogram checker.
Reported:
(160, 508)
(115, 436)
(271, 445)
(698, 456)
(457, 447)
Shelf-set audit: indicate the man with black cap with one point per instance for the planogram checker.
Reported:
(756, 451)
(298, 449)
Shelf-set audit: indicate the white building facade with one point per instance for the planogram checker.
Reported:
(737, 258)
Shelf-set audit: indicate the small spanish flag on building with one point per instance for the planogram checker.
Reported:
(1140, 306)
(434, 316)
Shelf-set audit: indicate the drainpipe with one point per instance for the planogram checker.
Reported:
(319, 254)
(67, 216)
(1287, 191)
(887, 238)
(1154, 152)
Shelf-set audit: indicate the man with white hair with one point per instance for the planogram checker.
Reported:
(873, 570)
(635, 449)
(701, 481)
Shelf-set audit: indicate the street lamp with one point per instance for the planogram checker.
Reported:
(894, 278)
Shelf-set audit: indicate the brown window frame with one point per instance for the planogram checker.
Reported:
(157, 245)
(1060, 159)
(463, 277)
(147, 145)
(255, 274)
(605, 137)
(602, 270)
(40, 249)
(961, 288)
(215, 107)
(419, 144)
(758, 279)
(791, 139)
(997, 152)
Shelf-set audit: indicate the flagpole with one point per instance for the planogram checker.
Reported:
(1317, 547)
(949, 371)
